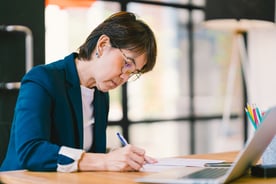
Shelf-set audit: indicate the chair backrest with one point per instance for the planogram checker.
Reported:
(11, 71)
(7, 104)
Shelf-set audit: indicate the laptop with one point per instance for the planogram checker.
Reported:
(247, 157)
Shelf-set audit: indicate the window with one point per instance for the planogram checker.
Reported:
(171, 110)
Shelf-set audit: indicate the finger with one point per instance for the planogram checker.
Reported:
(138, 151)
(140, 159)
(135, 165)
(150, 160)
(135, 160)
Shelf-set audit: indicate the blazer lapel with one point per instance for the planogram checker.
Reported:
(74, 94)
(75, 97)
(101, 107)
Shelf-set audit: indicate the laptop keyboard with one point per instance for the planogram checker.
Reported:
(208, 173)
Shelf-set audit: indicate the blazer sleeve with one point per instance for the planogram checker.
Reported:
(33, 124)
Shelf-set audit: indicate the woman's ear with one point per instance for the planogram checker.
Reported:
(103, 41)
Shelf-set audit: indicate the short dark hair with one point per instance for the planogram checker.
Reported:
(125, 32)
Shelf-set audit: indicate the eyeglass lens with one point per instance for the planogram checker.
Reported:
(128, 68)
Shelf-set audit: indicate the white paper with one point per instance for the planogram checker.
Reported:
(169, 163)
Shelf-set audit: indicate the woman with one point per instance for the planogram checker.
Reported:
(61, 113)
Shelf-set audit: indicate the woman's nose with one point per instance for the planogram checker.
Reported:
(124, 76)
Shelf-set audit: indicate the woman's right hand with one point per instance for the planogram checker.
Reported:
(128, 158)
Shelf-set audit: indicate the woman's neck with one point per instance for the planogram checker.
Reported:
(84, 73)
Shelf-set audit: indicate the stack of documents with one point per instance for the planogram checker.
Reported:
(169, 163)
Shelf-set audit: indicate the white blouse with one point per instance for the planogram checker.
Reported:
(87, 95)
(88, 116)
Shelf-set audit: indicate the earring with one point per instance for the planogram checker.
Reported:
(97, 55)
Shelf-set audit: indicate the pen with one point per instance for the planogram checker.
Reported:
(124, 143)
(122, 139)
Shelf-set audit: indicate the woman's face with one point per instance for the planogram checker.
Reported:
(110, 72)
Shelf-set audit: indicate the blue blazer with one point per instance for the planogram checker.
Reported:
(48, 115)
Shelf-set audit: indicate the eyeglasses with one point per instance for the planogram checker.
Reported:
(129, 67)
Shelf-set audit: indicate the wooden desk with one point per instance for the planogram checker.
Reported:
(27, 177)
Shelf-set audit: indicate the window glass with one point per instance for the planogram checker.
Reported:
(215, 136)
(163, 92)
(162, 139)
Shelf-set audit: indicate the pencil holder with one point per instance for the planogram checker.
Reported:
(269, 155)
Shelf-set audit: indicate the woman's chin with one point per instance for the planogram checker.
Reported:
(105, 88)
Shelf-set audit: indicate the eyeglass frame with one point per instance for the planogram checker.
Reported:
(132, 76)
